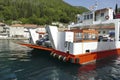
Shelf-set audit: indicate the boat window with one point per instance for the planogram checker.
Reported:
(102, 14)
(99, 32)
(86, 36)
(78, 37)
(103, 32)
(93, 36)
(87, 16)
(91, 16)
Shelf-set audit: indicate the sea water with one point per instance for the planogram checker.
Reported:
(17, 63)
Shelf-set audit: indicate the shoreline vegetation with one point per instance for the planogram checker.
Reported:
(38, 12)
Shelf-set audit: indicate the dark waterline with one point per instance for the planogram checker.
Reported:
(17, 64)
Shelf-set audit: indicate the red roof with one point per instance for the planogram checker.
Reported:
(26, 25)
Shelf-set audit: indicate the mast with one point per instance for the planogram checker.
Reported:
(94, 7)
(96, 4)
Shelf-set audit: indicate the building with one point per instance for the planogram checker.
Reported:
(4, 31)
(23, 30)
(16, 31)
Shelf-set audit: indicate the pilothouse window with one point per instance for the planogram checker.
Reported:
(102, 14)
(85, 17)
(91, 16)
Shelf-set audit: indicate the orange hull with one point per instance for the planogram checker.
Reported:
(88, 57)
(77, 59)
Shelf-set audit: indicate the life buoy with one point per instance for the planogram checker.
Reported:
(107, 17)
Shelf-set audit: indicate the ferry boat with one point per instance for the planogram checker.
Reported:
(95, 36)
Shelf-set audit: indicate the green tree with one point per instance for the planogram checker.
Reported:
(38, 11)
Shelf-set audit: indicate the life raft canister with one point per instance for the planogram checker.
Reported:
(107, 17)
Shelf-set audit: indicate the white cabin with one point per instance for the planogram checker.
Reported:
(97, 16)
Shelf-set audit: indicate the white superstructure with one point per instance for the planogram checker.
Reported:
(75, 43)
(92, 17)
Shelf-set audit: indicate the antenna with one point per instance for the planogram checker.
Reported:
(96, 4)
(94, 7)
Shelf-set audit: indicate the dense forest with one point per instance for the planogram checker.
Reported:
(38, 11)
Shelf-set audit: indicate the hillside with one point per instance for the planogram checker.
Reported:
(38, 11)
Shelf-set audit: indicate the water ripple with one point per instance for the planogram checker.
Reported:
(17, 64)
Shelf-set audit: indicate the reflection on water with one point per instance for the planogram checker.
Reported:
(17, 64)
